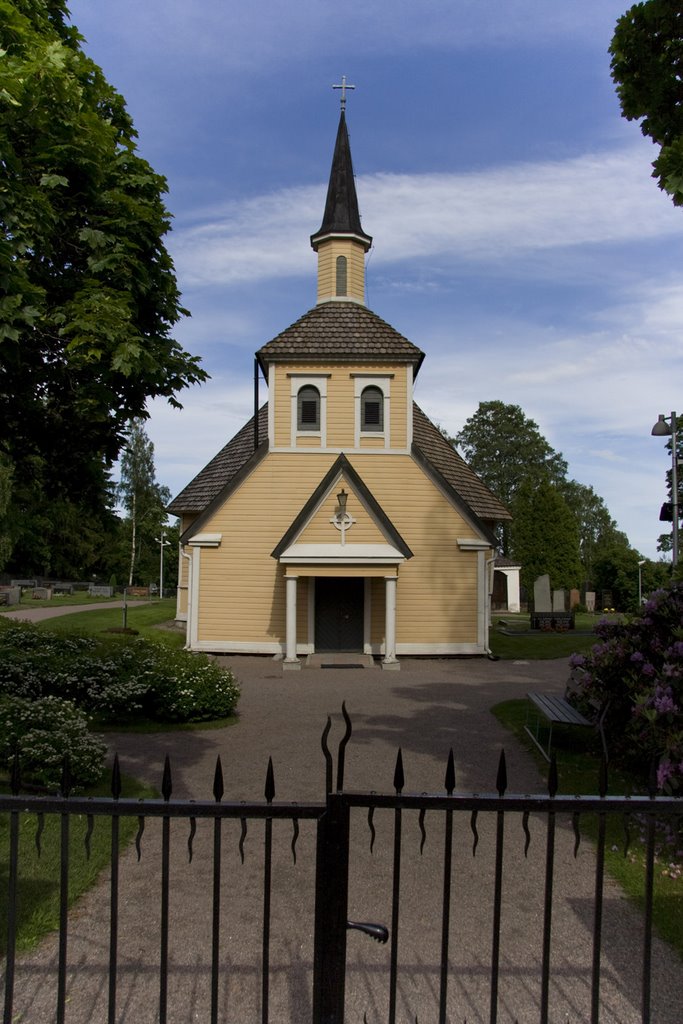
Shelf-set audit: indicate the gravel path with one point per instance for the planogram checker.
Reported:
(426, 708)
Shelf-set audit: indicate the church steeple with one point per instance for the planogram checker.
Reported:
(340, 242)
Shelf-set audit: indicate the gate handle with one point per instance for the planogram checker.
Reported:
(378, 932)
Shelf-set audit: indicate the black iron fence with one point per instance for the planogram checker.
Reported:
(334, 820)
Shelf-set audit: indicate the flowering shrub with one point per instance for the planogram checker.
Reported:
(638, 667)
(115, 679)
(41, 732)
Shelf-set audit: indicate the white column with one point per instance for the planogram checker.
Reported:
(390, 659)
(291, 660)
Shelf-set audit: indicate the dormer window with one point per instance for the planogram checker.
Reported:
(372, 410)
(308, 408)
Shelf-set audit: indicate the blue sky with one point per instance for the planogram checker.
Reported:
(519, 239)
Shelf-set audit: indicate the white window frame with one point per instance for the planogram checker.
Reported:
(383, 383)
(303, 380)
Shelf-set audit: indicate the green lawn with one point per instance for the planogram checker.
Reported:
(518, 642)
(61, 600)
(578, 763)
(38, 890)
(144, 617)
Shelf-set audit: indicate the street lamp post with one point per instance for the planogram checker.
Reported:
(163, 543)
(640, 583)
(666, 426)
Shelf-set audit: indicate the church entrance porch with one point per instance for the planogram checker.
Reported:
(339, 614)
(339, 608)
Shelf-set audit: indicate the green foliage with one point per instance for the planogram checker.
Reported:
(117, 679)
(38, 903)
(41, 733)
(6, 474)
(638, 667)
(144, 501)
(647, 67)
(665, 540)
(616, 571)
(545, 537)
(504, 448)
(579, 773)
(507, 451)
(88, 292)
(597, 530)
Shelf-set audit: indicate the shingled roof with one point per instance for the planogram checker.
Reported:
(223, 468)
(428, 440)
(338, 331)
(442, 457)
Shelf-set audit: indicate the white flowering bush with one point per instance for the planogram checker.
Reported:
(40, 733)
(115, 679)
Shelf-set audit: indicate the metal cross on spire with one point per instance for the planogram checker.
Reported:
(344, 86)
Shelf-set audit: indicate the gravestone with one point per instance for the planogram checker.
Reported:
(574, 598)
(101, 591)
(549, 613)
(590, 600)
(42, 593)
(542, 602)
(10, 595)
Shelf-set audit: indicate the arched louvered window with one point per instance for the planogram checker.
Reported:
(372, 409)
(341, 276)
(308, 408)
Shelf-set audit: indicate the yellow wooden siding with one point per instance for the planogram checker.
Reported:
(242, 590)
(340, 405)
(327, 269)
(321, 531)
(281, 400)
(377, 612)
(340, 409)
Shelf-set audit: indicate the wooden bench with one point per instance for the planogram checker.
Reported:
(559, 711)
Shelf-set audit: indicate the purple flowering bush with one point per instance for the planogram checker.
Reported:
(638, 667)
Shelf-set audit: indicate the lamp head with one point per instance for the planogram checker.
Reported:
(341, 501)
(661, 427)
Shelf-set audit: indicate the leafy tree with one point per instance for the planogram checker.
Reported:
(647, 67)
(89, 296)
(544, 536)
(5, 495)
(143, 498)
(597, 530)
(505, 448)
(665, 540)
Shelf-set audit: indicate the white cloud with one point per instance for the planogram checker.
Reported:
(493, 216)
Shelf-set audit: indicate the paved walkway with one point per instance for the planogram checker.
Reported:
(41, 614)
(425, 709)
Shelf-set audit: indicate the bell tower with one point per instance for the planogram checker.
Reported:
(340, 242)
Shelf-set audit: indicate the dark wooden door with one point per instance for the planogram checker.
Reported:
(339, 613)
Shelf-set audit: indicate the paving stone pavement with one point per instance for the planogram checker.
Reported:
(425, 709)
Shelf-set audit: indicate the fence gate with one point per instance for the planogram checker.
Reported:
(486, 907)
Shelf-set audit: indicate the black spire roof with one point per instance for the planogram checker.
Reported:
(341, 207)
